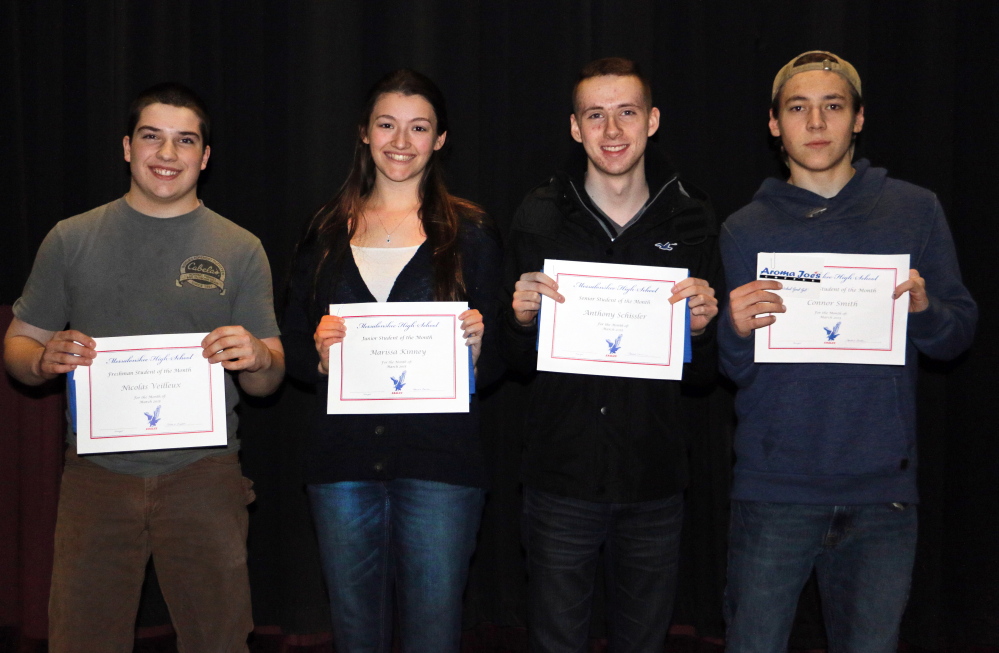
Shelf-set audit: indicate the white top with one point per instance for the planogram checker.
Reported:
(380, 266)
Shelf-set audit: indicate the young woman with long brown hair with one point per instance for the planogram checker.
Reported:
(396, 499)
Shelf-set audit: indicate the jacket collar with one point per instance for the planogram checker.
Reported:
(659, 171)
(857, 198)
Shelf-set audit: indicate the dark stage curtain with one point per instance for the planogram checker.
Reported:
(285, 81)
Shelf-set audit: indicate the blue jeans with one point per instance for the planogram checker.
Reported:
(563, 538)
(411, 536)
(862, 557)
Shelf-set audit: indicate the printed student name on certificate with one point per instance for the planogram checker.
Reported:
(149, 392)
(616, 321)
(399, 357)
(839, 309)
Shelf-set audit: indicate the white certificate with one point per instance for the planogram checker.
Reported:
(149, 392)
(616, 321)
(839, 309)
(399, 357)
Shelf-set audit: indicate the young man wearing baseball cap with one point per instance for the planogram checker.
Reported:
(825, 473)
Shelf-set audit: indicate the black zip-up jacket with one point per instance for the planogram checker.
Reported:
(598, 438)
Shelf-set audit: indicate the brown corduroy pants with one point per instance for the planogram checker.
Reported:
(193, 522)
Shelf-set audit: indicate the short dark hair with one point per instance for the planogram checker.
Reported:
(618, 66)
(176, 95)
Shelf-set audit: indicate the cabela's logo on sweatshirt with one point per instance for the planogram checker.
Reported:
(202, 272)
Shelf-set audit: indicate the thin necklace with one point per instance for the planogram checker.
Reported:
(388, 234)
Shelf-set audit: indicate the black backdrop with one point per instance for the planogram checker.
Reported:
(285, 81)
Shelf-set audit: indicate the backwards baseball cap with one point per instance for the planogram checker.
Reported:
(817, 60)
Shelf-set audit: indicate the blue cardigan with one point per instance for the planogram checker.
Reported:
(836, 433)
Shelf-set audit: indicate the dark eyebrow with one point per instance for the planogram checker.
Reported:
(157, 130)
(801, 98)
(623, 105)
(385, 115)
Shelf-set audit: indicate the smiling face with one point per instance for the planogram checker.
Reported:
(816, 123)
(613, 122)
(402, 135)
(166, 155)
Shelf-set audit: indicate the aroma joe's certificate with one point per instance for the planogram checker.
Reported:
(149, 392)
(839, 309)
(399, 357)
(616, 321)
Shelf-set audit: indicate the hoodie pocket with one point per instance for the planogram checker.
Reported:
(837, 426)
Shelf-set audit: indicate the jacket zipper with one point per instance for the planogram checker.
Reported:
(610, 235)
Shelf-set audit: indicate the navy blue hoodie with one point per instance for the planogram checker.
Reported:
(839, 434)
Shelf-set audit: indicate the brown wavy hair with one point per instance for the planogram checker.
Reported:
(441, 213)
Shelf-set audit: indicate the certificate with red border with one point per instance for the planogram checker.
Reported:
(149, 392)
(399, 357)
(616, 321)
(840, 309)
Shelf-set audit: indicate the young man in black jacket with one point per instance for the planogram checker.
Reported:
(605, 462)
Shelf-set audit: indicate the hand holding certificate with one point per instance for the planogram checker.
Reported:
(839, 309)
(616, 321)
(149, 392)
(399, 357)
